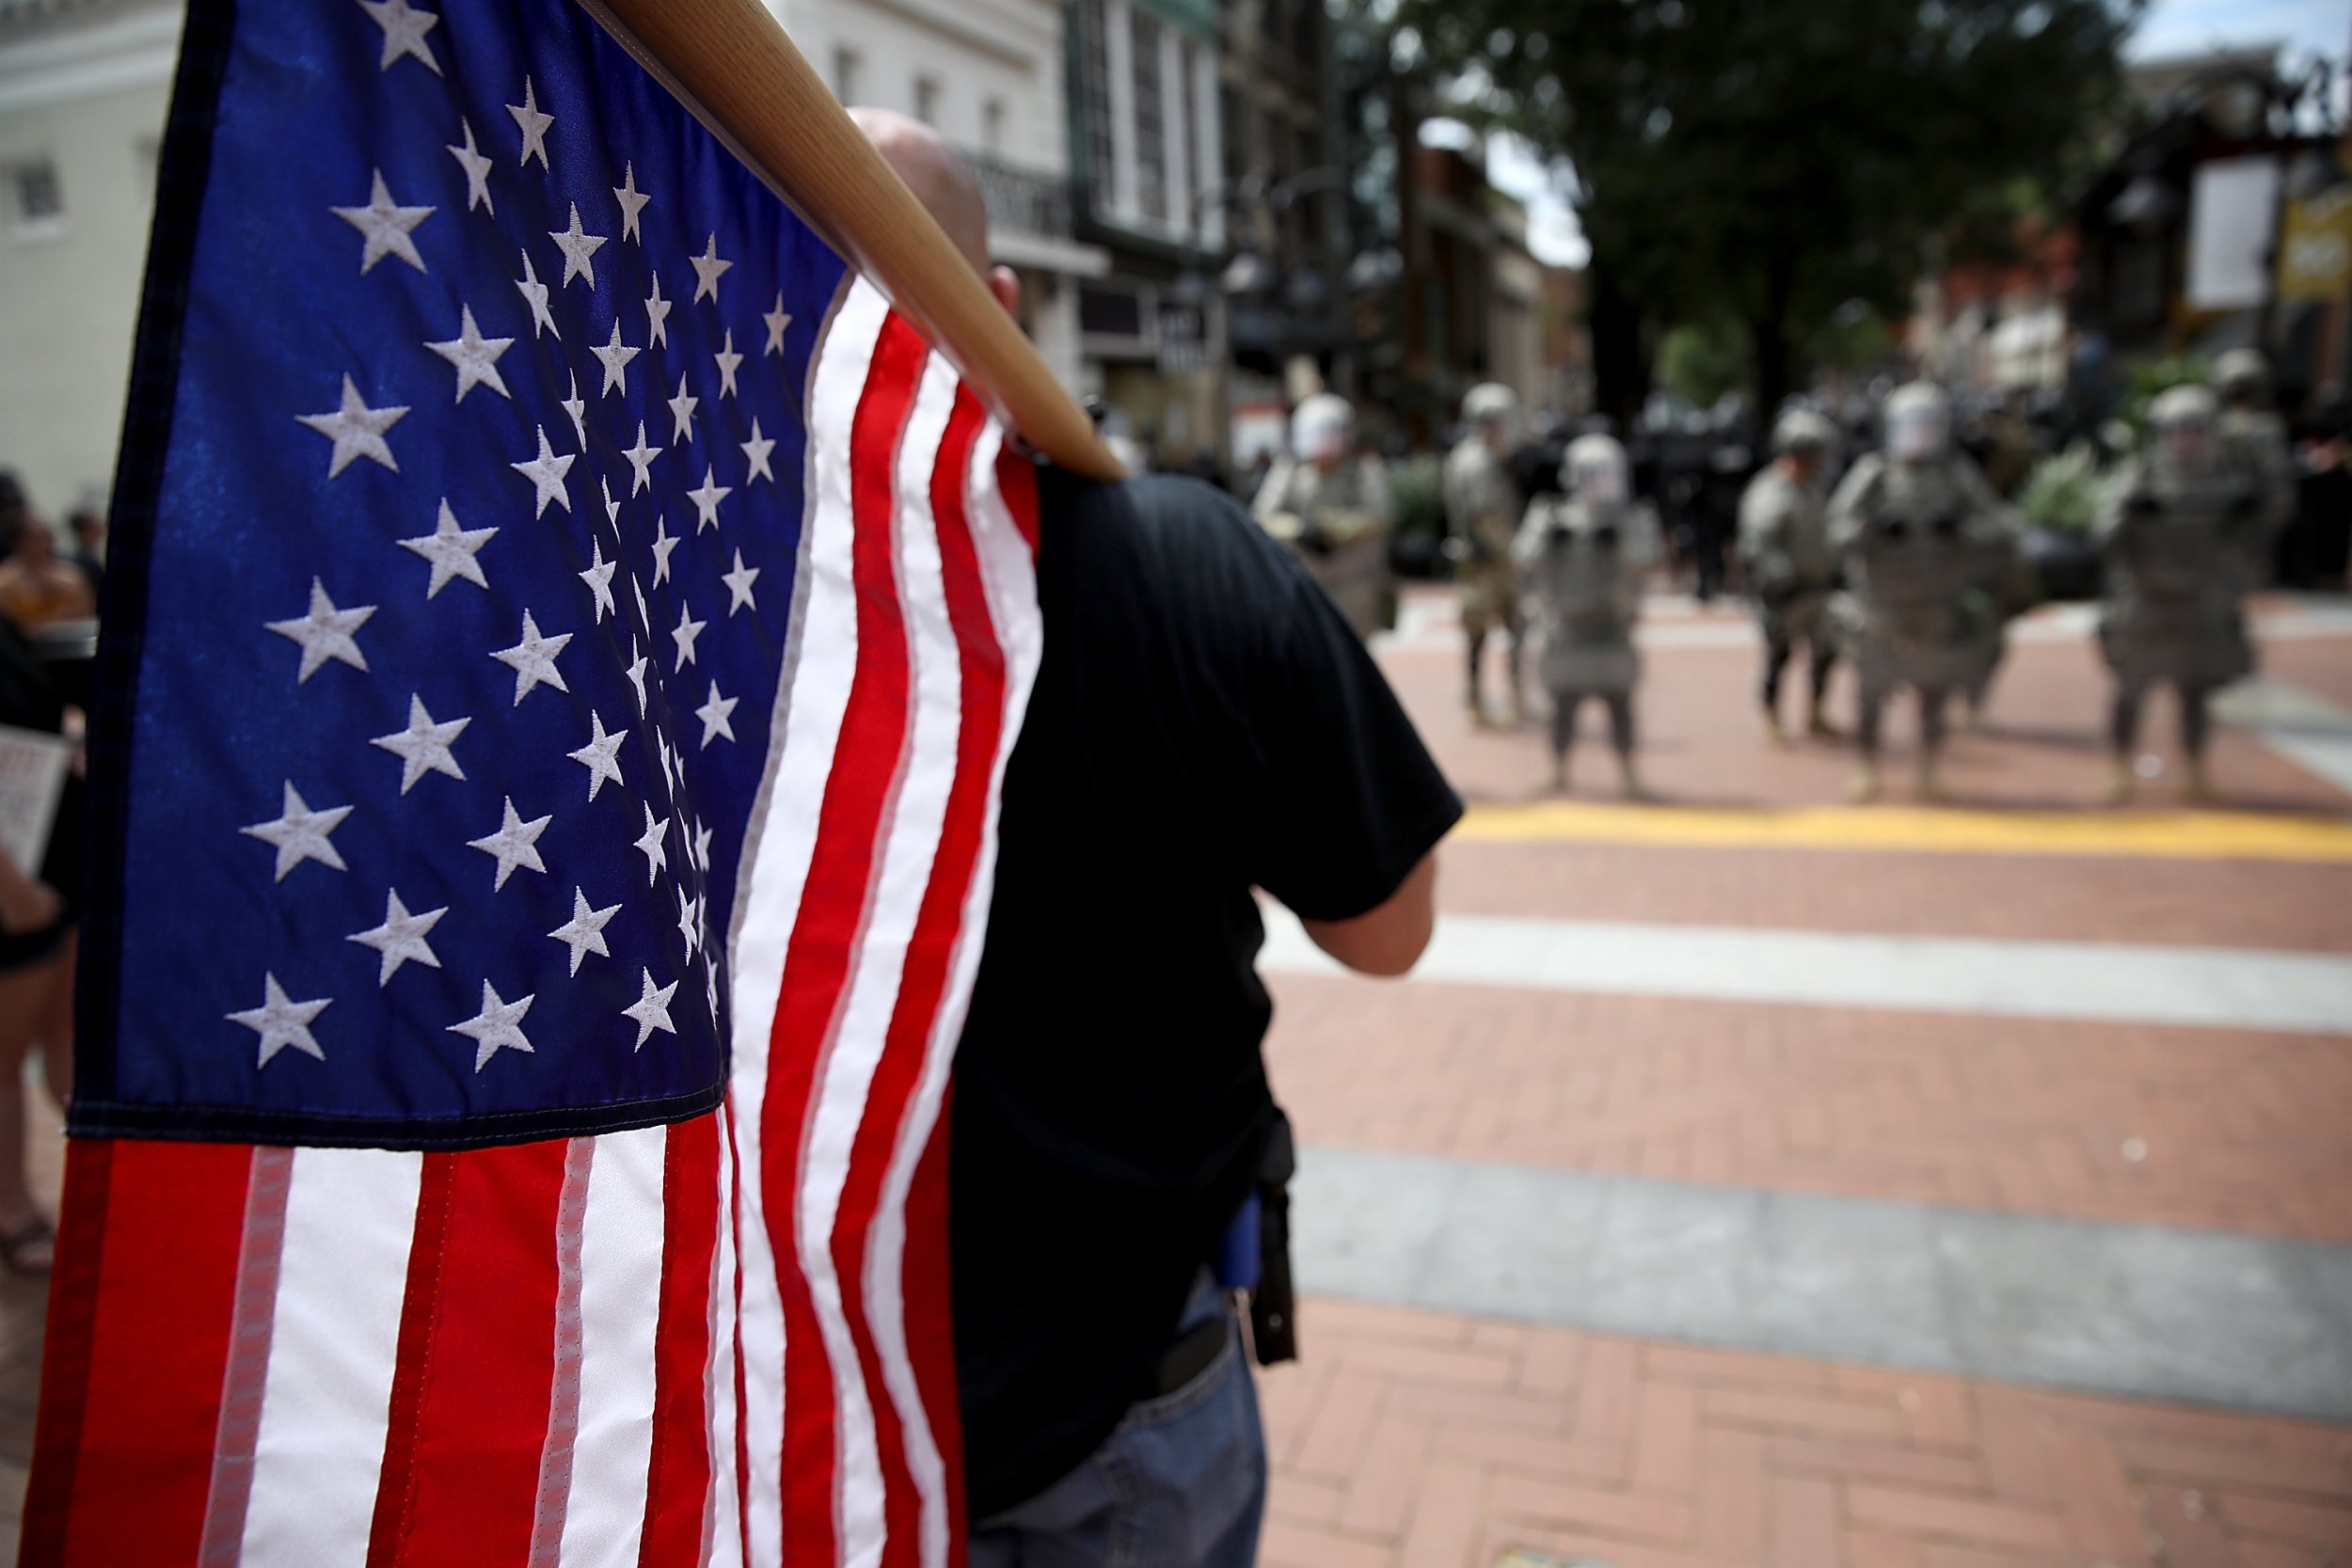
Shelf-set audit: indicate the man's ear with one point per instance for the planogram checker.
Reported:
(1005, 284)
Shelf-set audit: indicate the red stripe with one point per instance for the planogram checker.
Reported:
(931, 1321)
(1016, 478)
(66, 1351)
(930, 950)
(476, 1361)
(142, 1318)
(817, 963)
(677, 1479)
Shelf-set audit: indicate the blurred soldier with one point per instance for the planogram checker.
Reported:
(1331, 506)
(1584, 559)
(2254, 437)
(1481, 513)
(2180, 531)
(1784, 547)
(1914, 528)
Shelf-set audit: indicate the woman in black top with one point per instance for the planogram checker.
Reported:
(37, 945)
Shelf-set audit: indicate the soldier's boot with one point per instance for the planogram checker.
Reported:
(2196, 787)
(1776, 733)
(2119, 785)
(1817, 724)
(1560, 774)
(1864, 786)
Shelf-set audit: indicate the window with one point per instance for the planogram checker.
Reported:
(927, 100)
(847, 71)
(37, 199)
(1151, 119)
(992, 127)
(1095, 83)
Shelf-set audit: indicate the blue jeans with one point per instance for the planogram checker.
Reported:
(1181, 1483)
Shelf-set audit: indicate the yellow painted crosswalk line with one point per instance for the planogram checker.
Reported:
(2188, 836)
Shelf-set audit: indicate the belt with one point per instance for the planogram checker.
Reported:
(1192, 1354)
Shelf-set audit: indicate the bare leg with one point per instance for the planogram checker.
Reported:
(27, 1006)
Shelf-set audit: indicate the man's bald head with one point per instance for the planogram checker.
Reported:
(940, 177)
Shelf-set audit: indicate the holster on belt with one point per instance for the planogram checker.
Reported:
(1273, 1308)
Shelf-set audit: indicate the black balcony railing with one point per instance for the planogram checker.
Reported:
(1022, 200)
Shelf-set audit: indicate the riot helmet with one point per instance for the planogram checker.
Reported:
(1802, 433)
(2242, 376)
(2182, 421)
(1323, 427)
(1918, 423)
(1491, 409)
(1596, 471)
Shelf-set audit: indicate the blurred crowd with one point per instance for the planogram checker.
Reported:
(1897, 529)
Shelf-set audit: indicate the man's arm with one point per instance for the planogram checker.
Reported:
(1389, 940)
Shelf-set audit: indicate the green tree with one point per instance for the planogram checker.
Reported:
(1767, 162)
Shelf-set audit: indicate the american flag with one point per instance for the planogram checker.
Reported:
(566, 633)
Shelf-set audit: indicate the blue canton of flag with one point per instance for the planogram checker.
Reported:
(478, 500)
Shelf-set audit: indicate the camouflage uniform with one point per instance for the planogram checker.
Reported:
(1929, 549)
(1338, 522)
(1481, 509)
(1791, 573)
(2254, 439)
(1584, 565)
(2183, 545)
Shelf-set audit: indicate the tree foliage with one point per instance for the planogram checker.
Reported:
(1767, 162)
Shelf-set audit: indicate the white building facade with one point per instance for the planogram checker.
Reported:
(84, 85)
(990, 76)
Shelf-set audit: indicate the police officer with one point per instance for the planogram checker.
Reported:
(1792, 571)
(1331, 506)
(1583, 559)
(1916, 527)
(2255, 439)
(1481, 513)
(2180, 531)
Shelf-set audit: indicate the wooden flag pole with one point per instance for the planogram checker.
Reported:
(730, 61)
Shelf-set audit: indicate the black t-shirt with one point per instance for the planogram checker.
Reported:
(1204, 721)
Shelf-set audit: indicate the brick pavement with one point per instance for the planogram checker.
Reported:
(1421, 1440)
(2240, 1131)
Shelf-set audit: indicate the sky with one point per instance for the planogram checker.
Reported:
(2307, 28)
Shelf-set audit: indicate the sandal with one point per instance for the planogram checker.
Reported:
(31, 1248)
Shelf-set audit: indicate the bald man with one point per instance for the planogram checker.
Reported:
(1203, 723)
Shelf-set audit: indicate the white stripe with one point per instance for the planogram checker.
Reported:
(808, 728)
(620, 1309)
(721, 1512)
(2209, 987)
(909, 844)
(334, 1339)
(1010, 583)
